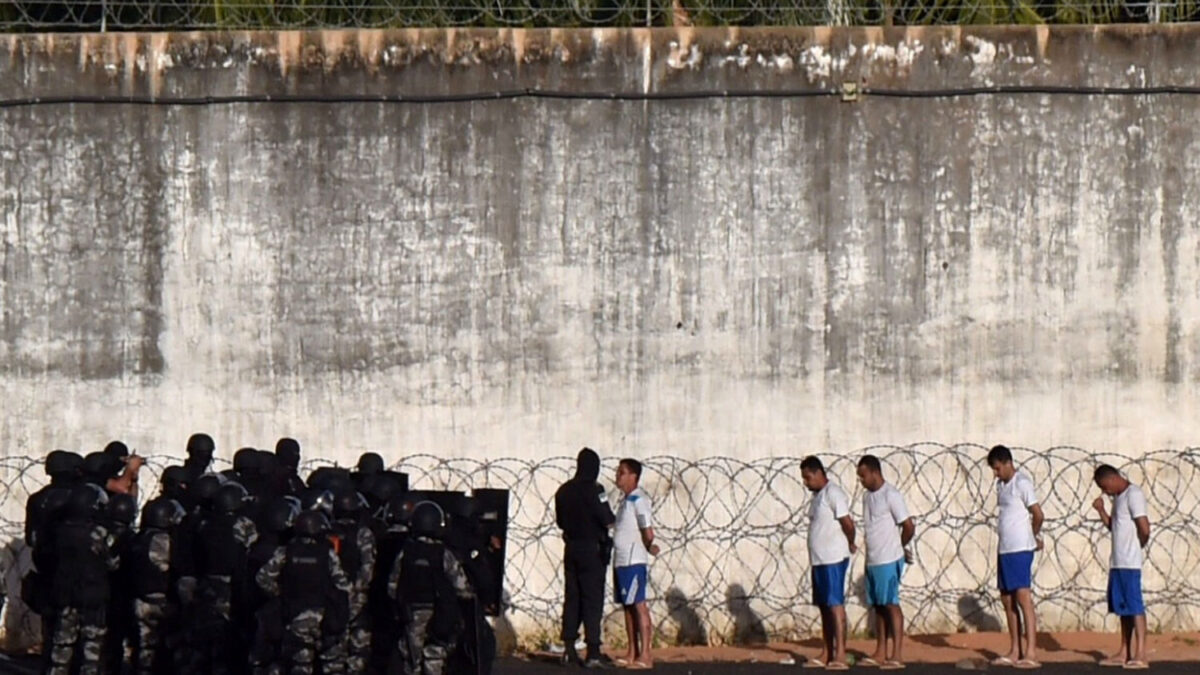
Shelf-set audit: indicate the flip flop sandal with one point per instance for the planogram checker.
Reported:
(813, 663)
(837, 665)
(1027, 664)
(1003, 661)
(868, 661)
(892, 665)
(622, 662)
(640, 665)
(1136, 665)
(1114, 662)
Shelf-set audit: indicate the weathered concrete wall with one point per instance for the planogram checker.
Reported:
(743, 277)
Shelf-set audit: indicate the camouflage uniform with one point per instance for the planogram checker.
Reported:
(223, 545)
(80, 596)
(424, 653)
(151, 609)
(358, 633)
(309, 605)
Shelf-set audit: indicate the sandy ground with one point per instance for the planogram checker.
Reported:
(956, 648)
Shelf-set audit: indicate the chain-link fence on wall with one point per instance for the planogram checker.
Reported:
(264, 14)
(735, 566)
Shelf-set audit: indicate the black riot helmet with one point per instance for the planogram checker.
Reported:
(398, 510)
(63, 463)
(311, 524)
(230, 498)
(428, 519)
(117, 450)
(122, 509)
(206, 487)
(162, 514)
(370, 463)
(87, 501)
(279, 515)
(246, 461)
(315, 499)
(98, 467)
(174, 478)
(201, 446)
(347, 504)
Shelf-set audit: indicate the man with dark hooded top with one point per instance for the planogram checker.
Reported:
(583, 514)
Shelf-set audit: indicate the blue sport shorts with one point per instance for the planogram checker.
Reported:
(1015, 571)
(1125, 592)
(631, 584)
(829, 584)
(883, 583)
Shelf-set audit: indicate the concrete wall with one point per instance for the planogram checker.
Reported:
(746, 277)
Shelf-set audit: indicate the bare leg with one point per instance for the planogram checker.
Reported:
(838, 613)
(647, 632)
(896, 631)
(881, 634)
(1014, 626)
(1139, 630)
(631, 631)
(826, 636)
(1024, 598)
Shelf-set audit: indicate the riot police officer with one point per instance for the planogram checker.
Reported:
(43, 512)
(584, 516)
(225, 538)
(122, 511)
(307, 577)
(148, 568)
(80, 586)
(427, 584)
(355, 544)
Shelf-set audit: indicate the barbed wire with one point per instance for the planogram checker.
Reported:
(734, 565)
(264, 14)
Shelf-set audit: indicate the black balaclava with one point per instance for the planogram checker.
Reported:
(587, 465)
(288, 452)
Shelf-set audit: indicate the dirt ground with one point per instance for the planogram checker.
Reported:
(957, 648)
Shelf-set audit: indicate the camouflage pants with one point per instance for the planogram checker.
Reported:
(151, 616)
(358, 635)
(304, 643)
(77, 630)
(423, 656)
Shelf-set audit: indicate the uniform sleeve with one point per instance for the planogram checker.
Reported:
(393, 586)
(897, 506)
(160, 552)
(1136, 503)
(839, 502)
(601, 509)
(340, 581)
(268, 577)
(246, 532)
(1026, 492)
(366, 544)
(643, 511)
(457, 575)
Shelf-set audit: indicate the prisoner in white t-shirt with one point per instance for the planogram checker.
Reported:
(1129, 523)
(1019, 524)
(888, 529)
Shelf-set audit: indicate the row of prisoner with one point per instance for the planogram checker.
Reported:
(583, 513)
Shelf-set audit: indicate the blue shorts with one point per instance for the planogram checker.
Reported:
(829, 584)
(883, 583)
(1015, 571)
(631, 584)
(1125, 592)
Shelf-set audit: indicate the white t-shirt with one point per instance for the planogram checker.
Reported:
(826, 542)
(1015, 524)
(633, 516)
(1126, 549)
(883, 511)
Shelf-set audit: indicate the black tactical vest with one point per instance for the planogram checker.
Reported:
(81, 575)
(141, 573)
(305, 579)
(218, 551)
